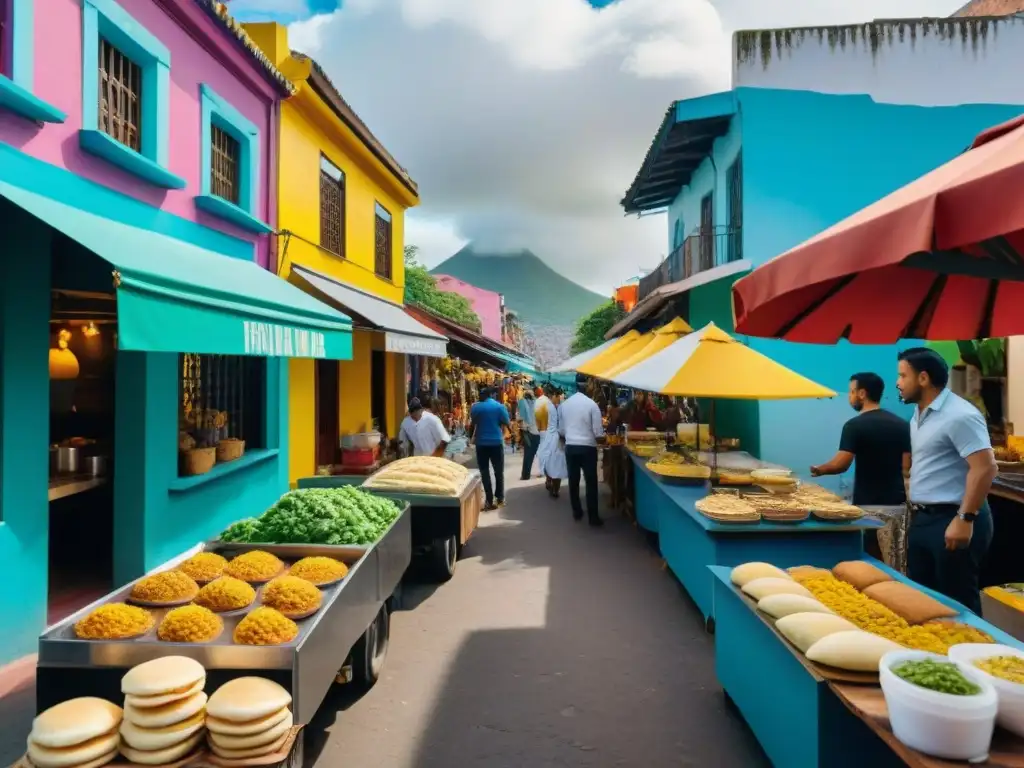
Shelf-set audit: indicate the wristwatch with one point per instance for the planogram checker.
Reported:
(967, 517)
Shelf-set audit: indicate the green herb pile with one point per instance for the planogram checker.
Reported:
(338, 516)
(941, 676)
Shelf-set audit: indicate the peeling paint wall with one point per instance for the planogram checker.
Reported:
(916, 61)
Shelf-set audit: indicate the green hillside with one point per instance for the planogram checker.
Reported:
(540, 296)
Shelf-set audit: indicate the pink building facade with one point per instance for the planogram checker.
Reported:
(488, 305)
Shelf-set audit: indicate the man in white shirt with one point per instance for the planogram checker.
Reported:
(428, 435)
(580, 427)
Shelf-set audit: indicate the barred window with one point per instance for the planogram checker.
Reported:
(382, 242)
(221, 397)
(224, 164)
(120, 97)
(332, 207)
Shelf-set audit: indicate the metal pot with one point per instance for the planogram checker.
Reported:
(64, 460)
(95, 466)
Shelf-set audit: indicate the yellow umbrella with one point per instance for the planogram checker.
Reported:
(663, 337)
(614, 353)
(711, 363)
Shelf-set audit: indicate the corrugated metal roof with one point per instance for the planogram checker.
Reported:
(991, 8)
(219, 12)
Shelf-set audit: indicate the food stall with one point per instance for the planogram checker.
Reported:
(444, 498)
(267, 609)
(815, 641)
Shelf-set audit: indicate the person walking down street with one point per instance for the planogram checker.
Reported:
(554, 465)
(428, 435)
(952, 468)
(580, 427)
(488, 418)
(529, 432)
(544, 413)
(879, 441)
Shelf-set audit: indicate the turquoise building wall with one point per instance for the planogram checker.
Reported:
(157, 516)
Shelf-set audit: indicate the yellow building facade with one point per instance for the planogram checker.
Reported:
(341, 214)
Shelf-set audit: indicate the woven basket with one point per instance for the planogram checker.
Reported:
(230, 449)
(198, 461)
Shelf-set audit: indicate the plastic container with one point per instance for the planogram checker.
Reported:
(938, 724)
(1011, 695)
(358, 457)
(360, 440)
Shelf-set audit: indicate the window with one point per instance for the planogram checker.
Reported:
(382, 242)
(707, 232)
(230, 164)
(332, 207)
(126, 104)
(221, 397)
(734, 185)
(17, 43)
(120, 95)
(677, 234)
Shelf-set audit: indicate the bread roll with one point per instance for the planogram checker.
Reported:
(784, 604)
(167, 675)
(247, 698)
(70, 757)
(74, 722)
(152, 739)
(148, 702)
(771, 585)
(162, 756)
(853, 650)
(246, 729)
(805, 629)
(747, 572)
(269, 736)
(169, 714)
(249, 754)
(860, 574)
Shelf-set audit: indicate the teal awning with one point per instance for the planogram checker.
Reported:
(173, 296)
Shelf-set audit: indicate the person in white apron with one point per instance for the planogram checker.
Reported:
(542, 408)
(555, 468)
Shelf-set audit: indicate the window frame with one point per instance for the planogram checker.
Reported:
(340, 180)
(108, 20)
(215, 110)
(380, 212)
(17, 75)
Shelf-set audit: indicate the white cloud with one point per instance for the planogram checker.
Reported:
(525, 120)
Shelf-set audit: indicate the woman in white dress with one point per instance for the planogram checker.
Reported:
(554, 467)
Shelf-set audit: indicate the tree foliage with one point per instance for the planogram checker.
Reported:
(421, 288)
(591, 329)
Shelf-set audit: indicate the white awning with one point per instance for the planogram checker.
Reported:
(402, 333)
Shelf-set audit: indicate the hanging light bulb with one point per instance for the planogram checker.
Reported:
(63, 363)
(90, 330)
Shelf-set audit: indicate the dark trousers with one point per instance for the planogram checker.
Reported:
(531, 443)
(582, 459)
(488, 456)
(955, 574)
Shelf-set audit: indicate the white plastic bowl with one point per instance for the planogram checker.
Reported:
(360, 441)
(1011, 695)
(938, 724)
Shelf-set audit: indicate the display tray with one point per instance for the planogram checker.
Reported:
(868, 703)
(431, 499)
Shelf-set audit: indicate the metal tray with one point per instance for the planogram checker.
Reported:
(430, 499)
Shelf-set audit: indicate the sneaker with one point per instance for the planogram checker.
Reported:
(501, 503)
(489, 507)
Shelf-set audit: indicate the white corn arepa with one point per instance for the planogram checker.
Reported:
(161, 756)
(148, 702)
(805, 629)
(268, 736)
(250, 754)
(784, 604)
(151, 739)
(167, 675)
(772, 585)
(225, 728)
(168, 714)
(247, 698)
(741, 574)
(71, 757)
(97, 763)
(75, 722)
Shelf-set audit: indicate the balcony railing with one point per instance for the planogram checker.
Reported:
(699, 252)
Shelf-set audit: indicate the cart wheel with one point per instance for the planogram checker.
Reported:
(372, 649)
(443, 558)
(709, 625)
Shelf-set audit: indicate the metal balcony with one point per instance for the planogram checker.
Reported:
(699, 252)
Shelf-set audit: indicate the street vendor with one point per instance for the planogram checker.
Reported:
(641, 413)
(427, 433)
(951, 472)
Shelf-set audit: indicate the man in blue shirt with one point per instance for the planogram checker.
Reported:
(488, 418)
(952, 469)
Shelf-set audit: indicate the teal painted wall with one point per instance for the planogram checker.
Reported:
(152, 524)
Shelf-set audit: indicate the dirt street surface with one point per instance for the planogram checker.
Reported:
(554, 645)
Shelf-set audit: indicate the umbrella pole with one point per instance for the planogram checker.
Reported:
(713, 429)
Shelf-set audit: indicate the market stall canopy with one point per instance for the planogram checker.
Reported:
(942, 258)
(663, 337)
(711, 363)
(573, 363)
(402, 334)
(173, 296)
(628, 344)
(491, 350)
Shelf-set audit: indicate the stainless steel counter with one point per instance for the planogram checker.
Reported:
(68, 485)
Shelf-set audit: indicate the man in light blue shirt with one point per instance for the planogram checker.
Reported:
(952, 469)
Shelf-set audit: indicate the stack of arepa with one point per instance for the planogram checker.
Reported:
(79, 733)
(248, 718)
(164, 711)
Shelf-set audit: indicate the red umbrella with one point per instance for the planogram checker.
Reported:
(940, 258)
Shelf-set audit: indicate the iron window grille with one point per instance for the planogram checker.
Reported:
(734, 188)
(120, 96)
(332, 207)
(382, 256)
(225, 152)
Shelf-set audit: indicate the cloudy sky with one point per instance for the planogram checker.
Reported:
(524, 121)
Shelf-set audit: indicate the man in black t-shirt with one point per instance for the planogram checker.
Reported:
(880, 442)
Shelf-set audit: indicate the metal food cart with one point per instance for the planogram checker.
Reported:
(352, 627)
